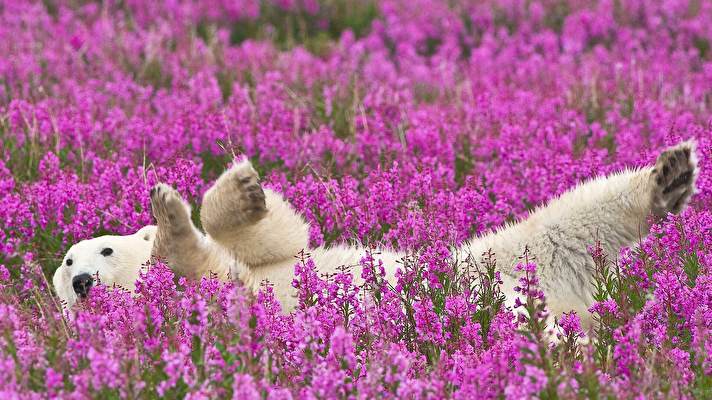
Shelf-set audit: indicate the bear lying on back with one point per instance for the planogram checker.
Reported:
(253, 234)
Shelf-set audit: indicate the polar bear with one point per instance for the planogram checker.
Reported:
(252, 234)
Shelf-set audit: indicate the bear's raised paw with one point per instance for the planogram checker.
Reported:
(673, 179)
(248, 191)
(234, 202)
(169, 208)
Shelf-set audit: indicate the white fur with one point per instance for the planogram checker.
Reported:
(253, 236)
(121, 268)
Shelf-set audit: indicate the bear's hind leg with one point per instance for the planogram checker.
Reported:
(673, 179)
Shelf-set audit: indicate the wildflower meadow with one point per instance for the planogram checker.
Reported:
(413, 124)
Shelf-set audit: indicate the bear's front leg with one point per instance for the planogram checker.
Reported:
(235, 201)
(178, 241)
(257, 226)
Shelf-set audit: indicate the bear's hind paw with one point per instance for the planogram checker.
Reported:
(673, 179)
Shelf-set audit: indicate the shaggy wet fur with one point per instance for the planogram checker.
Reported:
(253, 234)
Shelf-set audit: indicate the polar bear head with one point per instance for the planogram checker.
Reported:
(114, 260)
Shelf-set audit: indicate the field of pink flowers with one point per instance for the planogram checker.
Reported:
(411, 123)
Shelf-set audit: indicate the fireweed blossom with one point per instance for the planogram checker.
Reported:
(408, 124)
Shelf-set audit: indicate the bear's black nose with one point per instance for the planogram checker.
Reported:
(81, 284)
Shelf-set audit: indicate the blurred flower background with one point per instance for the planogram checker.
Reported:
(409, 123)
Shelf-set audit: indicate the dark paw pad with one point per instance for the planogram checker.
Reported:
(674, 176)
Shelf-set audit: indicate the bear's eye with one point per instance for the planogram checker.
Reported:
(107, 252)
(69, 261)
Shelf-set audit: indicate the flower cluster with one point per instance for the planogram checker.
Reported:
(414, 124)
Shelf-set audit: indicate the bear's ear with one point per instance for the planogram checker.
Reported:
(147, 233)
